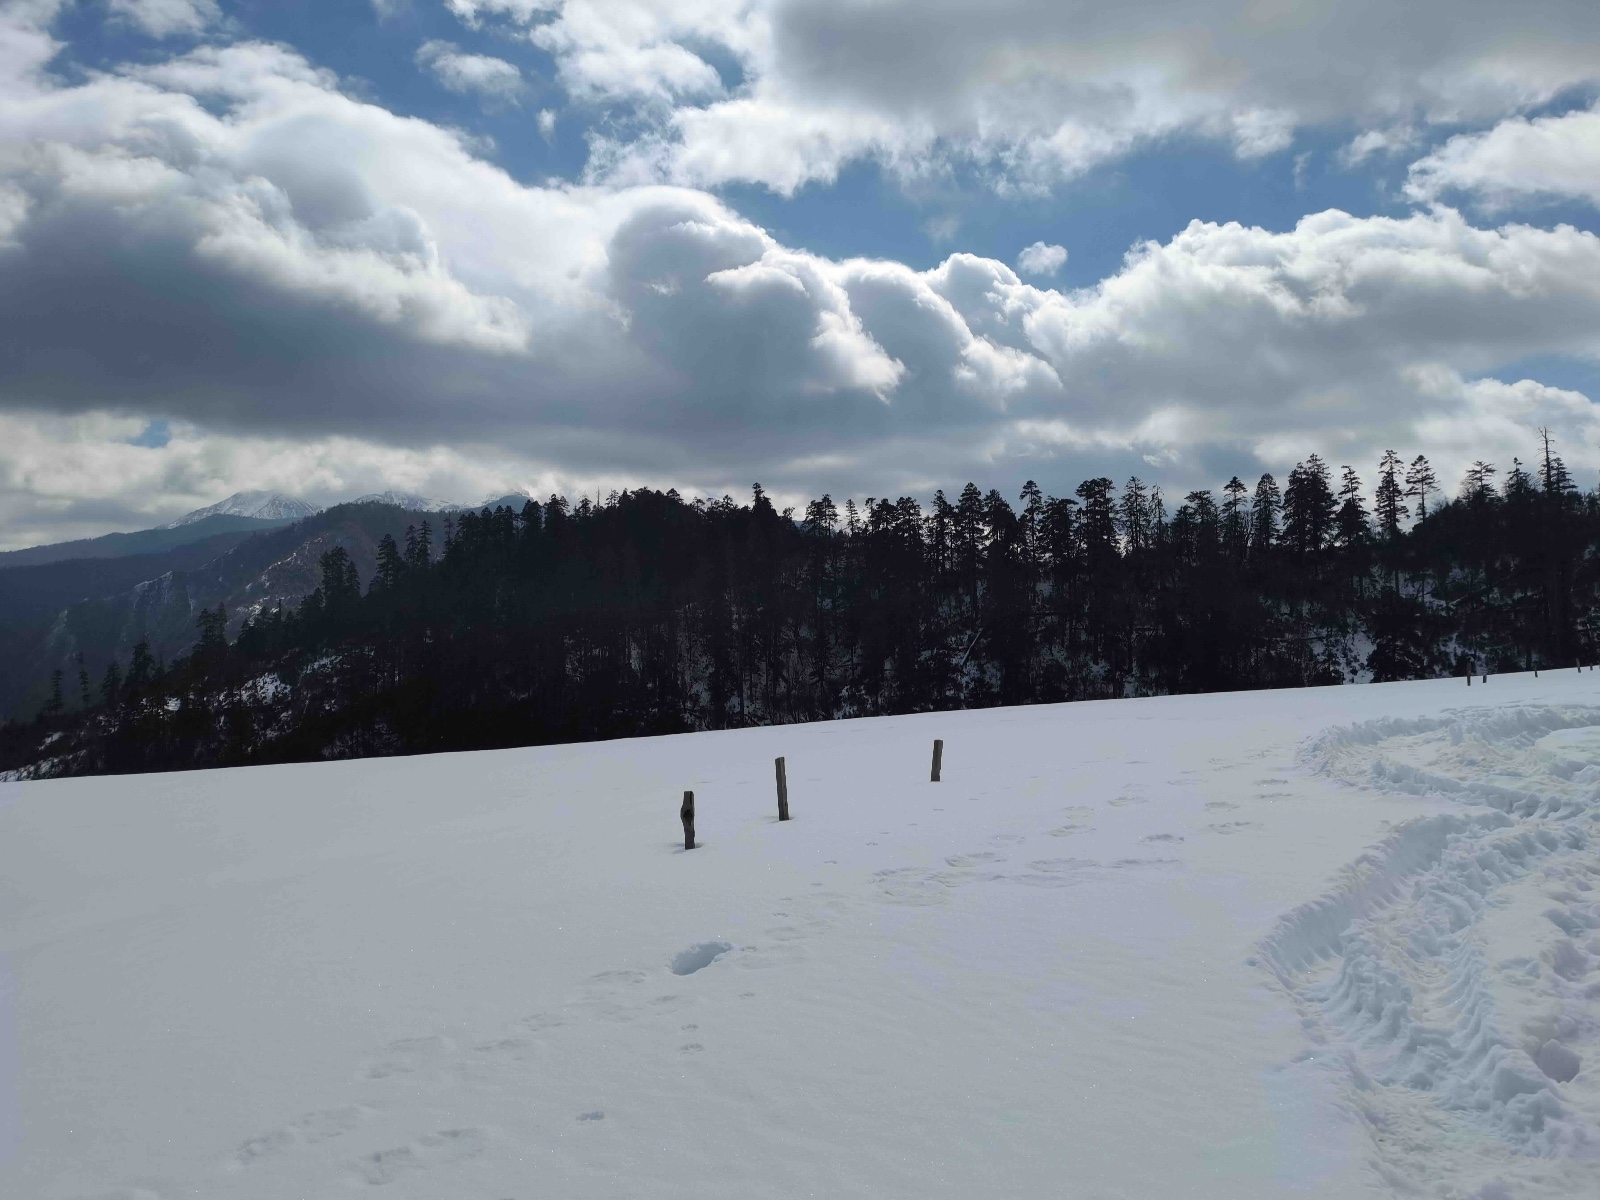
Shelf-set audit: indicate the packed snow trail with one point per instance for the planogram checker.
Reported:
(1404, 981)
(1090, 963)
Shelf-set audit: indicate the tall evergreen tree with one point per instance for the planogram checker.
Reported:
(1308, 506)
(1476, 485)
(1264, 516)
(1351, 524)
(1420, 481)
(391, 565)
(1236, 518)
(111, 685)
(54, 705)
(1390, 498)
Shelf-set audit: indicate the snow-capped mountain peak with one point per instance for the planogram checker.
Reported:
(265, 506)
(408, 501)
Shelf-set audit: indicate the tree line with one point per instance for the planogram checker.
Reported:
(649, 613)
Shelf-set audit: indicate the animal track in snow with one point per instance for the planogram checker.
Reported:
(429, 1150)
(306, 1131)
(408, 1055)
(1231, 826)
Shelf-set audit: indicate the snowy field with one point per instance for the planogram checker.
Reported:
(1337, 943)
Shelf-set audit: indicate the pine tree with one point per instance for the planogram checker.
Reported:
(969, 541)
(1308, 506)
(1098, 525)
(821, 516)
(1135, 516)
(1519, 484)
(1420, 480)
(142, 666)
(54, 705)
(1553, 476)
(1351, 523)
(1236, 518)
(391, 565)
(1390, 497)
(1475, 485)
(1264, 516)
(111, 685)
(1032, 519)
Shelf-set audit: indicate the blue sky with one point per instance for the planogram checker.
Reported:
(457, 246)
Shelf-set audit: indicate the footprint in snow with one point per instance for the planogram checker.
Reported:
(1231, 826)
(408, 1055)
(698, 957)
(304, 1131)
(429, 1150)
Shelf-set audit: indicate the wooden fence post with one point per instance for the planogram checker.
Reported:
(687, 813)
(938, 758)
(783, 790)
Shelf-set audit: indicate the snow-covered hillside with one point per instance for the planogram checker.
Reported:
(409, 501)
(1336, 943)
(266, 506)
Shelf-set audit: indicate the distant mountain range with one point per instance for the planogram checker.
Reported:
(408, 501)
(249, 512)
(88, 601)
(146, 541)
(261, 506)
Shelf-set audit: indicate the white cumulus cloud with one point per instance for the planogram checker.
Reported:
(166, 18)
(1042, 258)
(1030, 92)
(226, 240)
(491, 77)
(1545, 158)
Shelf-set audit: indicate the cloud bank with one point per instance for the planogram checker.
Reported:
(1029, 92)
(229, 240)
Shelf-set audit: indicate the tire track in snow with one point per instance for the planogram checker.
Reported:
(1390, 970)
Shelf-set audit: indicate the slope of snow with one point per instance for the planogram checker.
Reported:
(1338, 942)
(267, 506)
(408, 501)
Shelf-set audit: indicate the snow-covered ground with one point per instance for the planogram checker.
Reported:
(1335, 942)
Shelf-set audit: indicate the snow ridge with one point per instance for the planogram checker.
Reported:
(1392, 971)
(266, 506)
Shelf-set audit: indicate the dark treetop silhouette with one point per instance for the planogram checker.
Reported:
(649, 614)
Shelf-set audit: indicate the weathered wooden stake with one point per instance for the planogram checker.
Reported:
(687, 813)
(783, 790)
(938, 757)
(1486, 677)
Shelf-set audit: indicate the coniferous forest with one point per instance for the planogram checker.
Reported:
(646, 613)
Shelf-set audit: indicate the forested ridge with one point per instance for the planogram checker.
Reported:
(647, 613)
